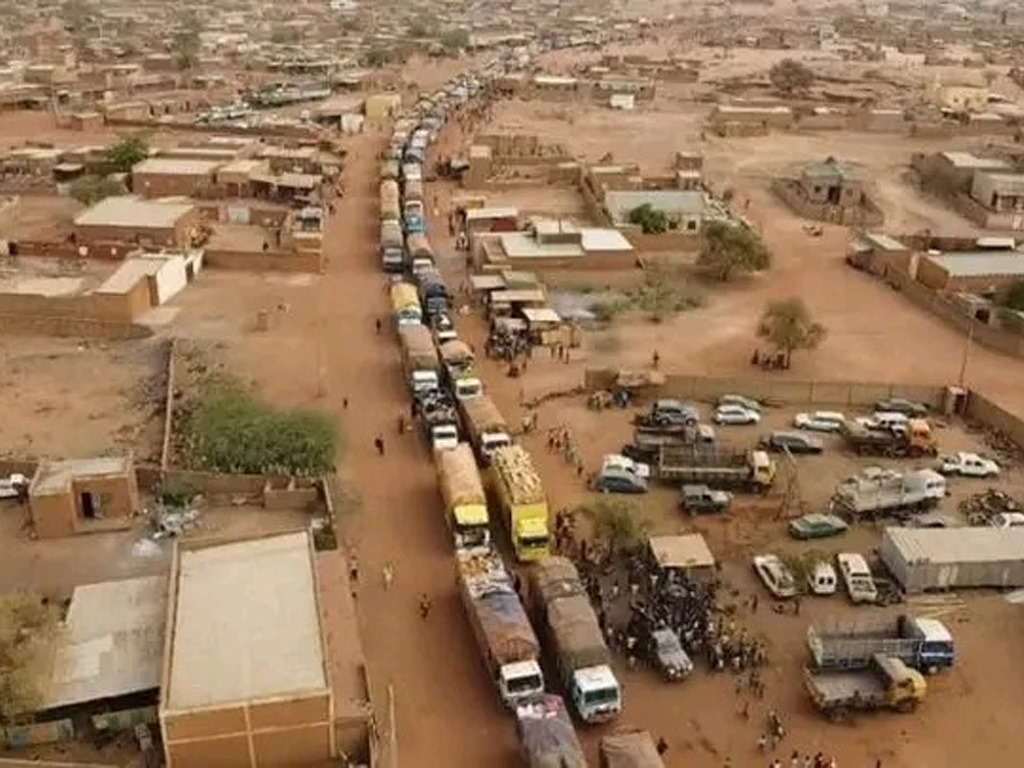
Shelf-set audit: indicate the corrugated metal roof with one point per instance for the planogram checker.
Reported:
(954, 545)
(981, 263)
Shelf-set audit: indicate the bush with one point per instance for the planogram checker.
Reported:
(230, 430)
(89, 190)
(606, 310)
(649, 219)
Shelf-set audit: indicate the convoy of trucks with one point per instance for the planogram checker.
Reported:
(547, 738)
(389, 206)
(524, 507)
(501, 627)
(886, 493)
(485, 426)
(465, 502)
(886, 683)
(699, 465)
(560, 605)
(913, 439)
(925, 644)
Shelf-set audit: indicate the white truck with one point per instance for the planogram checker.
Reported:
(485, 427)
(889, 493)
(419, 358)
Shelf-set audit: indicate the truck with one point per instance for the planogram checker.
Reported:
(389, 207)
(465, 502)
(434, 294)
(546, 735)
(888, 493)
(436, 412)
(485, 426)
(418, 352)
(524, 507)
(405, 304)
(716, 468)
(914, 439)
(392, 254)
(922, 643)
(886, 683)
(458, 362)
(413, 212)
(630, 749)
(421, 255)
(561, 606)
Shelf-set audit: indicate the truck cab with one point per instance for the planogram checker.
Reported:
(392, 259)
(466, 388)
(444, 437)
(530, 539)
(422, 383)
(596, 694)
(520, 682)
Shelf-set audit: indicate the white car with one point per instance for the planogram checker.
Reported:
(13, 486)
(776, 576)
(968, 465)
(616, 462)
(736, 414)
(820, 421)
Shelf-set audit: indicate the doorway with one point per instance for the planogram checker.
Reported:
(834, 195)
(90, 505)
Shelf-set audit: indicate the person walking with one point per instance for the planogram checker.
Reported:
(378, 443)
(378, 324)
(662, 745)
(424, 606)
(388, 575)
(656, 359)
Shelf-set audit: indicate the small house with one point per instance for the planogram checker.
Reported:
(73, 496)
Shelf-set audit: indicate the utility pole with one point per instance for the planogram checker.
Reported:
(967, 352)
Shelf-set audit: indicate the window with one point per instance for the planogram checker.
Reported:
(691, 226)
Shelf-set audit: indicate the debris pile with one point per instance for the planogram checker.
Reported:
(980, 508)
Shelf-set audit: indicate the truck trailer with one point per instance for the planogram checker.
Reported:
(700, 465)
(925, 644)
(913, 439)
(889, 493)
(465, 502)
(485, 426)
(392, 252)
(418, 350)
(502, 629)
(546, 735)
(389, 201)
(421, 255)
(885, 684)
(630, 749)
(460, 375)
(524, 507)
(561, 605)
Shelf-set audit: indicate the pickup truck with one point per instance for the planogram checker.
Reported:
(886, 683)
(967, 465)
(699, 499)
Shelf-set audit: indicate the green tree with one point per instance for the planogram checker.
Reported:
(286, 35)
(617, 523)
(789, 76)
(89, 190)
(421, 27)
(649, 219)
(730, 248)
(1013, 296)
(455, 40)
(125, 154)
(787, 325)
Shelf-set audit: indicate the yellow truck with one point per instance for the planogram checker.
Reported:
(524, 507)
(465, 503)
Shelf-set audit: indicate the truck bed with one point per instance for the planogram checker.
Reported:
(834, 688)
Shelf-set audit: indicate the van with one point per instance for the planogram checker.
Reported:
(821, 579)
(860, 584)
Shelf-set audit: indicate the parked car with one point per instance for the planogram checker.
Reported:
(621, 463)
(613, 480)
(819, 421)
(14, 486)
(667, 653)
(775, 575)
(885, 420)
(736, 414)
(794, 442)
(967, 465)
(816, 526)
(822, 579)
(669, 411)
(902, 405)
(1007, 520)
(740, 400)
(700, 499)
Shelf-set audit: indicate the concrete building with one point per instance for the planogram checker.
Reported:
(830, 183)
(982, 272)
(83, 496)
(248, 679)
(999, 192)
(128, 219)
(685, 209)
(956, 170)
(174, 177)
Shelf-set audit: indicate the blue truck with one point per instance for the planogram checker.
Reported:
(924, 644)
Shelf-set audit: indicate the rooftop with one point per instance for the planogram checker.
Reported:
(522, 245)
(54, 477)
(688, 550)
(111, 643)
(980, 263)
(177, 166)
(245, 623)
(130, 211)
(957, 545)
(971, 160)
(672, 201)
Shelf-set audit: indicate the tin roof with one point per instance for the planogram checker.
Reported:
(939, 546)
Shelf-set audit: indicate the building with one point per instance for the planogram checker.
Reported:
(684, 208)
(999, 192)
(83, 496)
(983, 272)
(147, 223)
(250, 675)
(830, 183)
(174, 177)
(955, 171)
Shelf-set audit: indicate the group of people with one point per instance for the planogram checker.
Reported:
(507, 345)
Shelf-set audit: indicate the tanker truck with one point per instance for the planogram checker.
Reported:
(465, 503)
(500, 625)
(561, 606)
(485, 427)
(524, 507)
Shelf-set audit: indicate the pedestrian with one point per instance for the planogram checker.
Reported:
(662, 745)
(424, 606)
(378, 324)
(753, 604)
(878, 762)
(388, 575)
(762, 741)
(353, 569)
(401, 423)
(344, 403)
(655, 359)
(794, 760)
(796, 606)
(378, 443)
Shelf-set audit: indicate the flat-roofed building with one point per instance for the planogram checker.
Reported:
(83, 496)
(985, 271)
(128, 219)
(172, 177)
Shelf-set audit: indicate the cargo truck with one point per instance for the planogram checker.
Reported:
(500, 625)
(434, 294)
(485, 427)
(389, 201)
(421, 255)
(405, 304)
(436, 411)
(418, 351)
(700, 465)
(465, 503)
(562, 607)
(913, 439)
(925, 644)
(884, 684)
(524, 507)
(888, 493)
(546, 735)
(459, 364)
(392, 253)
(630, 749)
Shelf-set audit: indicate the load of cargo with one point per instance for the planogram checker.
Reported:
(630, 749)
(405, 304)
(460, 369)
(524, 506)
(715, 468)
(418, 350)
(547, 738)
(879, 492)
(561, 605)
(502, 630)
(463, 493)
(485, 426)
(389, 201)
(922, 643)
(885, 683)
(418, 246)
(392, 252)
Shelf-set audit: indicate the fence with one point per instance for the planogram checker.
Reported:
(983, 410)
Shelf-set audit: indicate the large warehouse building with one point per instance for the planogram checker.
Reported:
(247, 678)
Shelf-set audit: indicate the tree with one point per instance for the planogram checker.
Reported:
(787, 325)
(27, 626)
(730, 248)
(125, 154)
(789, 76)
(616, 523)
(649, 219)
(89, 190)
(455, 40)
